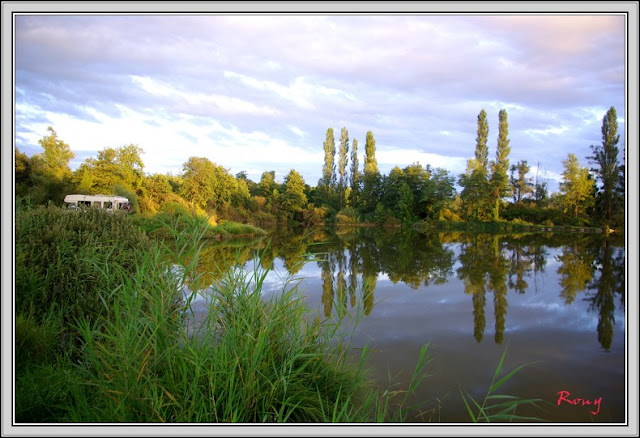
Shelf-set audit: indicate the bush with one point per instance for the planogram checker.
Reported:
(346, 217)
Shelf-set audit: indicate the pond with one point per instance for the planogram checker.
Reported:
(555, 302)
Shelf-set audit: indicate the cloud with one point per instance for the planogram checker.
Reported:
(247, 88)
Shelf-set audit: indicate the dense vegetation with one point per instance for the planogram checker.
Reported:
(101, 305)
(491, 190)
(100, 335)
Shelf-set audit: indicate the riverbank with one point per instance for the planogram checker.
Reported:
(100, 336)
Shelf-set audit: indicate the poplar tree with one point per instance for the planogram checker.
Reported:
(482, 152)
(499, 178)
(329, 168)
(371, 175)
(474, 181)
(343, 158)
(608, 170)
(355, 174)
(370, 161)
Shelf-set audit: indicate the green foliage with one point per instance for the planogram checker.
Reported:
(608, 169)
(370, 161)
(475, 193)
(53, 162)
(343, 159)
(249, 360)
(346, 217)
(329, 167)
(355, 175)
(37, 338)
(577, 188)
(23, 173)
(60, 254)
(499, 178)
(207, 185)
(294, 198)
(482, 152)
(521, 186)
(113, 166)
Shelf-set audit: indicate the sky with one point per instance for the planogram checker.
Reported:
(255, 92)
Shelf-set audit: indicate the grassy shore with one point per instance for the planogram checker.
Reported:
(105, 341)
(175, 220)
(101, 336)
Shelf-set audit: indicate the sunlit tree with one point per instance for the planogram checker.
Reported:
(355, 175)
(329, 167)
(343, 158)
(576, 187)
(294, 198)
(476, 189)
(500, 167)
(371, 177)
(53, 162)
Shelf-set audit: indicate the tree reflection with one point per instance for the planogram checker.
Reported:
(498, 283)
(350, 264)
(327, 286)
(473, 271)
(576, 269)
(484, 268)
(610, 261)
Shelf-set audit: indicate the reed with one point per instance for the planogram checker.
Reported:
(132, 359)
(497, 407)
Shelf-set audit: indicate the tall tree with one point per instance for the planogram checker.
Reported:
(482, 152)
(343, 158)
(499, 178)
(329, 168)
(371, 177)
(370, 161)
(476, 190)
(608, 170)
(355, 175)
(576, 187)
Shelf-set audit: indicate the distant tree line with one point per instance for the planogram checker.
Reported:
(491, 190)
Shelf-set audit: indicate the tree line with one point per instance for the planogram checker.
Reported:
(347, 193)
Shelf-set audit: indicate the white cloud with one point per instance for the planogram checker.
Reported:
(225, 104)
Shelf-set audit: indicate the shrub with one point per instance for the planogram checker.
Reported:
(346, 217)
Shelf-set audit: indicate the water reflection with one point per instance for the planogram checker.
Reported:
(488, 265)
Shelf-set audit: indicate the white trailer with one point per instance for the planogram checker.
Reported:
(106, 202)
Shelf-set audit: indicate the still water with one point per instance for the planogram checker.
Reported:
(554, 302)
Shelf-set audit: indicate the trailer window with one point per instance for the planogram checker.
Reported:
(84, 203)
(97, 204)
(107, 204)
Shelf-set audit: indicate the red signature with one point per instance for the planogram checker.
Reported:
(563, 396)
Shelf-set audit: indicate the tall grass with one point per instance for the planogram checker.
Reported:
(132, 359)
(495, 407)
(128, 356)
